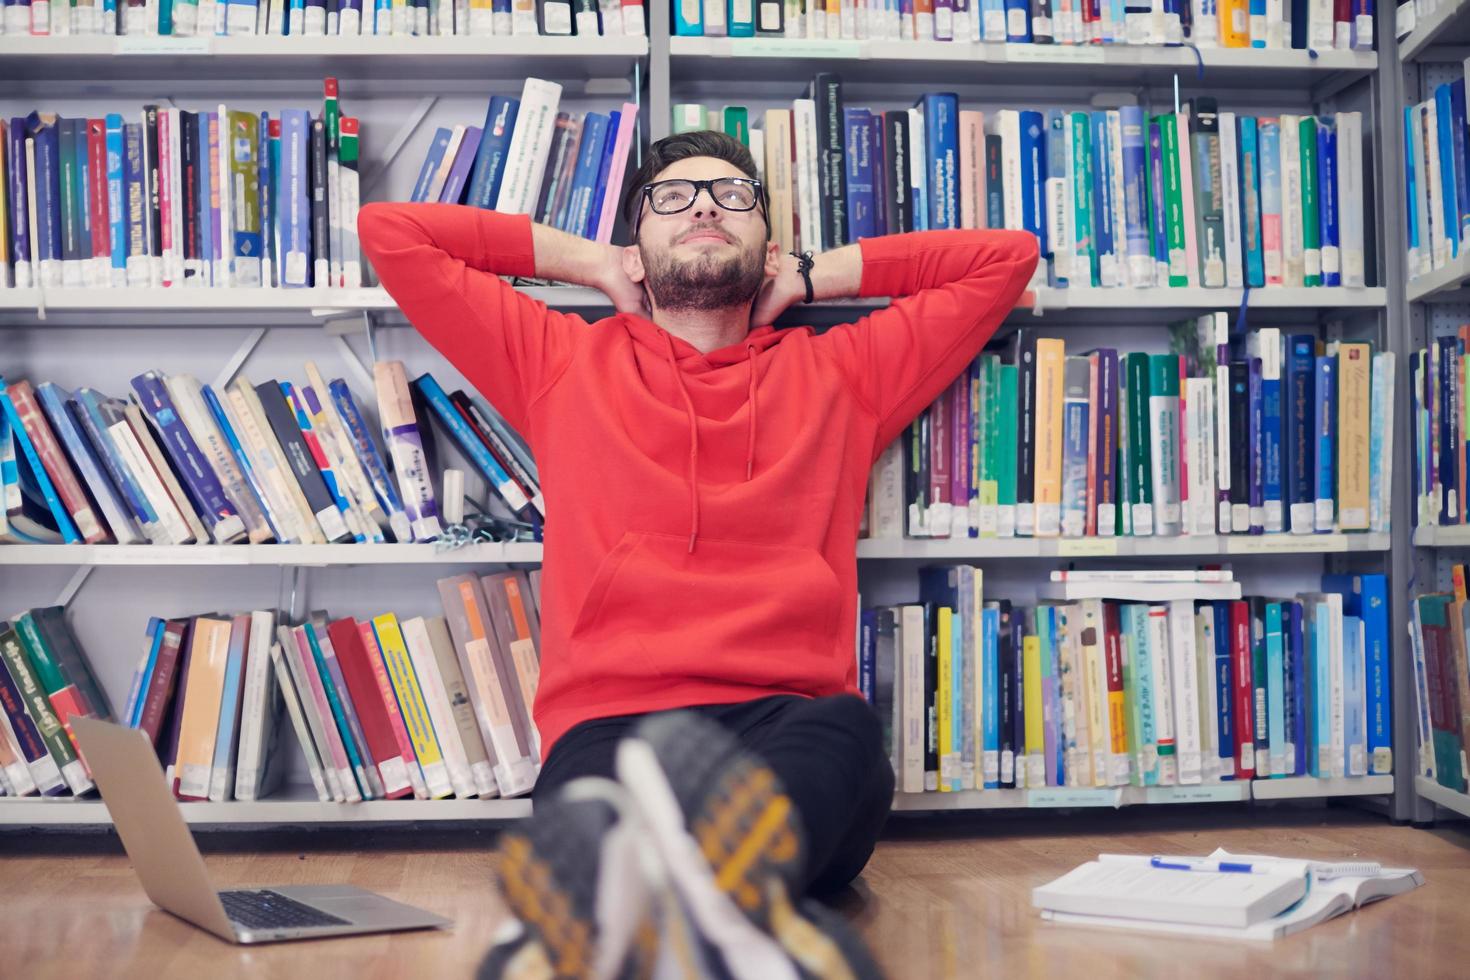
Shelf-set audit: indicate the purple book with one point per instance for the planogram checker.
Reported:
(1105, 452)
(38, 761)
(1256, 455)
(959, 432)
(1051, 670)
(20, 229)
(195, 473)
(464, 159)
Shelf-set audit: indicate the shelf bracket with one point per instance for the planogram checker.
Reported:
(289, 594)
(363, 372)
(238, 359)
(78, 579)
(397, 143)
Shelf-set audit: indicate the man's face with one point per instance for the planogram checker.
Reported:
(704, 257)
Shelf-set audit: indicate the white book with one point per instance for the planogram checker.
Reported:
(914, 648)
(482, 772)
(1120, 208)
(1008, 126)
(1420, 255)
(917, 161)
(1135, 591)
(1163, 692)
(1337, 698)
(1200, 419)
(1186, 194)
(331, 430)
(1095, 690)
(1164, 440)
(1439, 235)
(257, 709)
(1230, 200)
(525, 159)
(885, 495)
(285, 682)
(21, 783)
(1320, 30)
(714, 18)
(1074, 697)
(277, 483)
(1185, 676)
(431, 683)
(1293, 244)
(222, 273)
(335, 217)
(1350, 197)
(188, 399)
(335, 765)
(170, 518)
(1209, 706)
(174, 261)
(1380, 441)
(808, 202)
(446, 164)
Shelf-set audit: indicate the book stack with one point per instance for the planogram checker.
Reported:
(1199, 23)
(1264, 433)
(1119, 198)
(565, 169)
(317, 18)
(1142, 678)
(1438, 630)
(1438, 394)
(179, 463)
(182, 199)
(45, 681)
(1437, 181)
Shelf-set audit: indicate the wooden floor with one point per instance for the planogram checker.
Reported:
(940, 899)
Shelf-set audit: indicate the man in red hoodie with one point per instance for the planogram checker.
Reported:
(704, 476)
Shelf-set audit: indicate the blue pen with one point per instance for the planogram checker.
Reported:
(1202, 864)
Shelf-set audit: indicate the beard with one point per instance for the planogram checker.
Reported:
(705, 282)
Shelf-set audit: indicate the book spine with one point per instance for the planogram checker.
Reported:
(204, 487)
(411, 703)
(38, 706)
(59, 486)
(289, 694)
(387, 694)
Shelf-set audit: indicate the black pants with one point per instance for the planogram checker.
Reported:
(828, 753)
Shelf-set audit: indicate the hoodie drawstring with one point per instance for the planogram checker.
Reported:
(693, 443)
(751, 427)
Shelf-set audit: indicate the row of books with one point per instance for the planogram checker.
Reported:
(1200, 23)
(428, 707)
(1436, 178)
(1438, 622)
(581, 173)
(203, 18)
(1117, 197)
(226, 199)
(1439, 398)
(1150, 678)
(179, 463)
(1262, 433)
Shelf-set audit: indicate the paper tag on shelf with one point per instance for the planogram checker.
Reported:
(143, 44)
(1276, 544)
(1086, 547)
(746, 48)
(1074, 797)
(1222, 793)
(1054, 53)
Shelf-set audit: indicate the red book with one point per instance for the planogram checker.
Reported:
(372, 714)
(166, 165)
(1113, 659)
(373, 657)
(97, 190)
(959, 430)
(1244, 697)
(56, 464)
(161, 683)
(633, 18)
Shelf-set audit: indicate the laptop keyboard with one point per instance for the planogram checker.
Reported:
(272, 910)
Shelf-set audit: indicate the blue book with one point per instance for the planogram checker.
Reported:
(1354, 759)
(1271, 441)
(1256, 447)
(1018, 21)
(919, 192)
(1275, 693)
(500, 122)
(1135, 197)
(1059, 267)
(1158, 229)
(867, 653)
(94, 478)
(861, 198)
(207, 241)
(1324, 425)
(1297, 420)
(1449, 425)
(1250, 202)
(473, 448)
(604, 168)
(1462, 178)
(1224, 689)
(595, 128)
(296, 401)
(371, 459)
(138, 693)
(1327, 202)
(43, 131)
(1076, 373)
(1411, 179)
(1296, 682)
(269, 154)
(990, 694)
(689, 19)
(88, 407)
(226, 738)
(1102, 201)
(20, 231)
(294, 205)
(941, 153)
(242, 458)
(117, 212)
(355, 750)
(79, 215)
(1033, 173)
(195, 474)
(957, 713)
(26, 453)
(740, 20)
(1449, 194)
(1366, 597)
(433, 160)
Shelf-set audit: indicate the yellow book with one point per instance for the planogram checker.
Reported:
(977, 652)
(1031, 690)
(1094, 672)
(1235, 29)
(411, 704)
(1050, 358)
(778, 178)
(209, 652)
(1354, 386)
(943, 700)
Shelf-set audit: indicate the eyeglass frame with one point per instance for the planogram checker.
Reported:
(646, 193)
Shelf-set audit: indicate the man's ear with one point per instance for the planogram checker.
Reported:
(773, 260)
(633, 263)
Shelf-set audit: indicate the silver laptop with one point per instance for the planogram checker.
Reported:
(168, 862)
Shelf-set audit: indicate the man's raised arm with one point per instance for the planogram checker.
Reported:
(441, 263)
(950, 290)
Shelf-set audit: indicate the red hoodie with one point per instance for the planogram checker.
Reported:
(701, 509)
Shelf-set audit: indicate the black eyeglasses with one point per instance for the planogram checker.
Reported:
(674, 196)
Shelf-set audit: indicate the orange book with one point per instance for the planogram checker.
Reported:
(1235, 29)
(208, 656)
(1050, 360)
(972, 168)
(1354, 384)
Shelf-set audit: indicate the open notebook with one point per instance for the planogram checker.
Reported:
(1255, 906)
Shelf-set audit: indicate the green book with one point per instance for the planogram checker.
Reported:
(689, 117)
(1085, 247)
(977, 442)
(1164, 442)
(1008, 422)
(1311, 229)
(51, 621)
(916, 483)
(989, 404)
(1142, 512)
(737, 123)
(1173, 202)
(38, 706)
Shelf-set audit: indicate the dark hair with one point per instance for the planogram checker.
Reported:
(681, 146)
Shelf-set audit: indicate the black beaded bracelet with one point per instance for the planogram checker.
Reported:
(804, 266)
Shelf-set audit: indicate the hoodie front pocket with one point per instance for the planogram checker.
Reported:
(733, 612)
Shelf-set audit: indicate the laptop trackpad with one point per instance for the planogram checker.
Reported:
(363, 907)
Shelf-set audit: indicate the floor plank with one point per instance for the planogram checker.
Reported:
(941, 898)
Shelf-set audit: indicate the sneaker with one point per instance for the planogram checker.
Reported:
(733, 847)
(577, 876)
